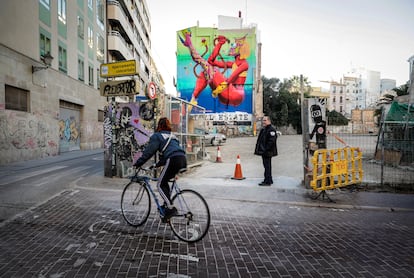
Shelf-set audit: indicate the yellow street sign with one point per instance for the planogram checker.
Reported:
(123, 68)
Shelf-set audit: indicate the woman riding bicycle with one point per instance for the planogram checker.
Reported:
(172, 157)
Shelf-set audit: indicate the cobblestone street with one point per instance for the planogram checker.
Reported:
(81, 233)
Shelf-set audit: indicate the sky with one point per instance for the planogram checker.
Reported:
(320, 39)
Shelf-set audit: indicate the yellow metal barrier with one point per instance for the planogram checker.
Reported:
(336, 168)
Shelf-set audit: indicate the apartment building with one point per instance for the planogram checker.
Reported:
(411, 66)
(351, 94)
(368, 87)
(50, 53)
(337, 101)
(129, 38)
(387, 85)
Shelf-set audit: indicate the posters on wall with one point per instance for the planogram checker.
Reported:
(125, 134)
(317, 121)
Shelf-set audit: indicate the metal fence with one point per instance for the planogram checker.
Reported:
(388, 157)
(194, 146)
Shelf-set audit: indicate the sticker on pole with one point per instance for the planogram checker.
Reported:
(152, 90)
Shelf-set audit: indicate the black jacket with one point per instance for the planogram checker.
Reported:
(266, 142)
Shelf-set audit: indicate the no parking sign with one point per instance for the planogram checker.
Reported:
(152, 90)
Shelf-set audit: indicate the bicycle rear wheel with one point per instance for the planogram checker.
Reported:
(192, 221)
(135, 203)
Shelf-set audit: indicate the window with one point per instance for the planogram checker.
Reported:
(17, 99)
(45, 3)
(69, 105)
(90, 37)
(90, 4)
(100, 48)
(100, 14)
(62, 11)
(80, 27)
(90, 71)
(81, 69)
(101, 115)
(62, 59)
(99, 79)
(44, 44)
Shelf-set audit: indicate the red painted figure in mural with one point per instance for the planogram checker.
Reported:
(230, 91)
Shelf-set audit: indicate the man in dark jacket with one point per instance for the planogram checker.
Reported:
(267, 148)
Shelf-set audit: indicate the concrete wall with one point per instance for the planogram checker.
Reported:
(35, 134)
(363, 121)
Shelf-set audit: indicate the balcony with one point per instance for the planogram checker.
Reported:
(116, 43)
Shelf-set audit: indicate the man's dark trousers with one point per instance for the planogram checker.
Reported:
(267, 164)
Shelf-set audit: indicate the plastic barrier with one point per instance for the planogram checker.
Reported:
(336, 168)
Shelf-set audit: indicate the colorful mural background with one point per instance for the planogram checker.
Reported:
(221, 91)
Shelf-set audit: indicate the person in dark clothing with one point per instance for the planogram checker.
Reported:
(267, 148)
(172, 157)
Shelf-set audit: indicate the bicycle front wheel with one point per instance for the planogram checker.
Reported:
(135, 203)
(192, 221)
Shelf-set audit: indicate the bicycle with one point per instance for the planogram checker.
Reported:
(189, 224)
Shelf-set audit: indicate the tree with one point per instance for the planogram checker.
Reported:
(280, 104)
(294, 86)
(270, 93)
(336, 118)
(402, 90)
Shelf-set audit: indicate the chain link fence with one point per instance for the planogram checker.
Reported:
(388, 156)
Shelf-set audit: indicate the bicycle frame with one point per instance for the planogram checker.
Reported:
(147, 181)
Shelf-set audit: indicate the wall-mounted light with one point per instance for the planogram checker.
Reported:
(47, 59)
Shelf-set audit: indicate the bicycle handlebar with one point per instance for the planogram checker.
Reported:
(147, 170)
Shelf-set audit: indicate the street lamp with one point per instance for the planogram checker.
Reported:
(47, 59)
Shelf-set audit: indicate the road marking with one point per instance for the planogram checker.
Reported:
(182, 257)
(20, 177)
(114, 222)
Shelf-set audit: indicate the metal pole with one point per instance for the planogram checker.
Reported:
(411, 89)
(382, 145)
(410, 102)
(302, 113)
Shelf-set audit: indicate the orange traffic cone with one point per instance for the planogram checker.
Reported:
(238, 171)
(218, 159)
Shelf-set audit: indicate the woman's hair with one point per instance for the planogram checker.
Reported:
(164, 124)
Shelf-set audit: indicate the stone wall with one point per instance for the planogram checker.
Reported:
(35, 134)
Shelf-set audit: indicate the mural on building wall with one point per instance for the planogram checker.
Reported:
(215, 68)
(23, 134)
(124, 137)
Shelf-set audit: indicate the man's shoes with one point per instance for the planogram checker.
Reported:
(265, 184)
(168, 213)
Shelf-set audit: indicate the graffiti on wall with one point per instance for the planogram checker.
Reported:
(69, 130)
(27, 134)
(317, 121)
(125, 136)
